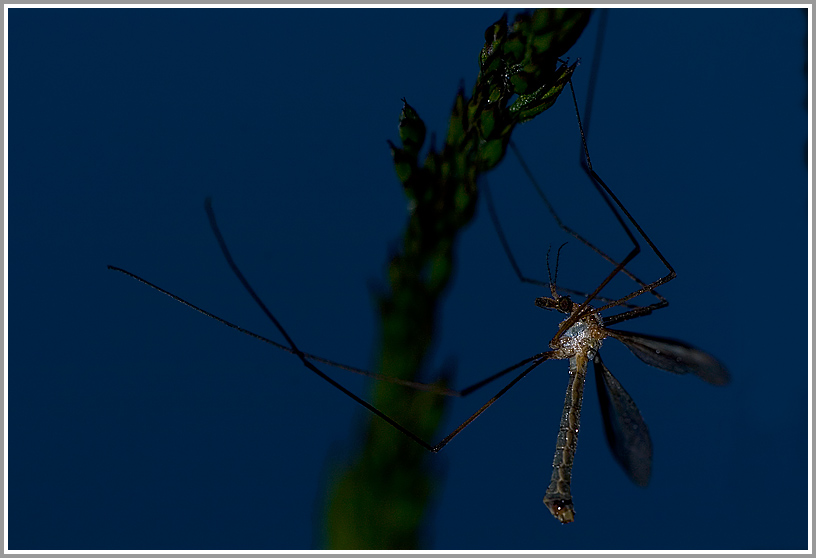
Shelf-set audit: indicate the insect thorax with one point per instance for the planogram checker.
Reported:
(584, 336)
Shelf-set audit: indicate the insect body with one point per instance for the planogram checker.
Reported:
(579, 344)
(625, 429)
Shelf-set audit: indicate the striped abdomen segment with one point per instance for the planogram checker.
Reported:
(558, 498)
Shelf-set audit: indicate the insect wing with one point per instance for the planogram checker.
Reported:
(625, 428)
(674, 356)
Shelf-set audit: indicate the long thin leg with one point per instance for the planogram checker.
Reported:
(637, 310)
(608, 197)
(604, 190)
(614, 204)
(494, 217)
(433, 388)
(306, 358)
(537, 359)
(593, 74)
(452, 435)
(427, 387)
(563, 227)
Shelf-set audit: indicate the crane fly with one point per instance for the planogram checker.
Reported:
(626, 431)
(578, 339)
(580, 335)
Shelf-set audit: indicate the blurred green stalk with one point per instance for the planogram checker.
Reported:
(378, 501)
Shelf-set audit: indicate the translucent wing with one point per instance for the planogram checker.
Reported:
(625, 428)
(674, 356)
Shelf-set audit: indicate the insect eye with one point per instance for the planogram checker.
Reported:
(565, 304)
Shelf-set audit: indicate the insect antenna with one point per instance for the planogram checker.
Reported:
(557, 259)
(553, 277)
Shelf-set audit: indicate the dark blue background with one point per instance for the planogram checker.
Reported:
(135, 423)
